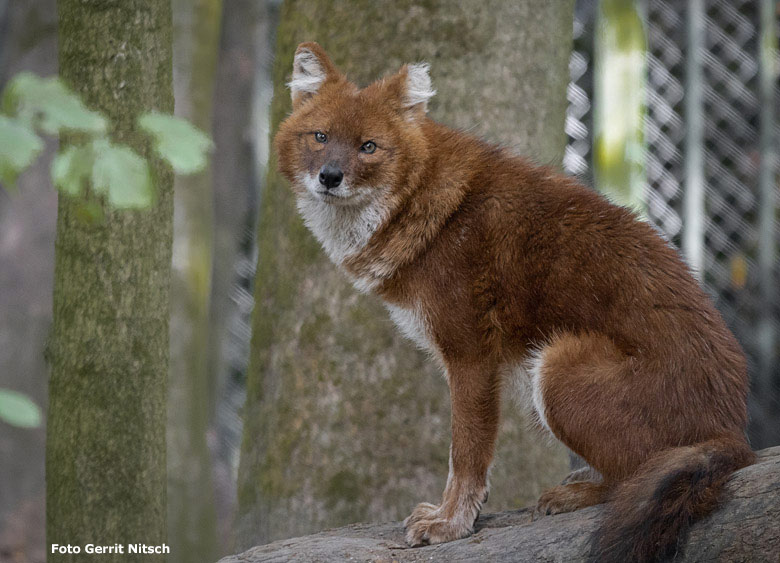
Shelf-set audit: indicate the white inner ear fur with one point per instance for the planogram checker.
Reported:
(418, 86)
(308, 73)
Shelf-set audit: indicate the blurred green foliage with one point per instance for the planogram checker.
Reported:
(91, 165)
(177, 141)
(19, 146)
(18, 410)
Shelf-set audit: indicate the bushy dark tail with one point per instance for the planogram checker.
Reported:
(649, 515)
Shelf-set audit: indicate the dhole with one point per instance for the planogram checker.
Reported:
(504, 269)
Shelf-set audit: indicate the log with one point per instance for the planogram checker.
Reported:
(746, 528)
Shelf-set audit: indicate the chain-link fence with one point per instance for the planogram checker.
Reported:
(710, 90)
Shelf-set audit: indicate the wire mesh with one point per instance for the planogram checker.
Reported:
(732, 158)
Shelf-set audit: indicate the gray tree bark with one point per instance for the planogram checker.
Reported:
(105, 451)
(192, 531)
(744, 528)
(243, 70)
(344, 420)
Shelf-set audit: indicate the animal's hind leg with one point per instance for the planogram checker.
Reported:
(595, 399)
(573, 496)
(586, 473)
(585, 391)
(582, 487)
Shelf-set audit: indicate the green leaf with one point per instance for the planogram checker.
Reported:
(19, 146)
(71, 169)
(50, 104)
(17, 409)
(122, 175)
(177, 141)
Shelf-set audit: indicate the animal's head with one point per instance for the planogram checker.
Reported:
(343, 145)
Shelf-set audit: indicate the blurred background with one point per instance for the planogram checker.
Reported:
(672, 109)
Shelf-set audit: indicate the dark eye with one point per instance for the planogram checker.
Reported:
(320, 137)
(368, 147)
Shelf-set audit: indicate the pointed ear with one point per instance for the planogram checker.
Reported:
(311, 69)
(411, 87)
(418, 87)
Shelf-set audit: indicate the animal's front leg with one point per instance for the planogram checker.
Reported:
(475, 412)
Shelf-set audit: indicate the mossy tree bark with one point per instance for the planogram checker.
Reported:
(344, 420)
(105, 452)
(191, 509)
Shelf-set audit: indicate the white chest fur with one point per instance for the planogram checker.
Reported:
(526, 382)
(342, 230)
(412, 324)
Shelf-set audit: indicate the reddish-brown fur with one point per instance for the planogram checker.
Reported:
(502, 260)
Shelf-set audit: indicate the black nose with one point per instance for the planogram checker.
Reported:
(330, 176)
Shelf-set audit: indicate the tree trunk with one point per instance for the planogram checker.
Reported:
(344, 420)
(744, 528)
(243, 89)
(105, 462)
(191, 510)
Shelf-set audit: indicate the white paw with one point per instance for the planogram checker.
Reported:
(427, 525)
